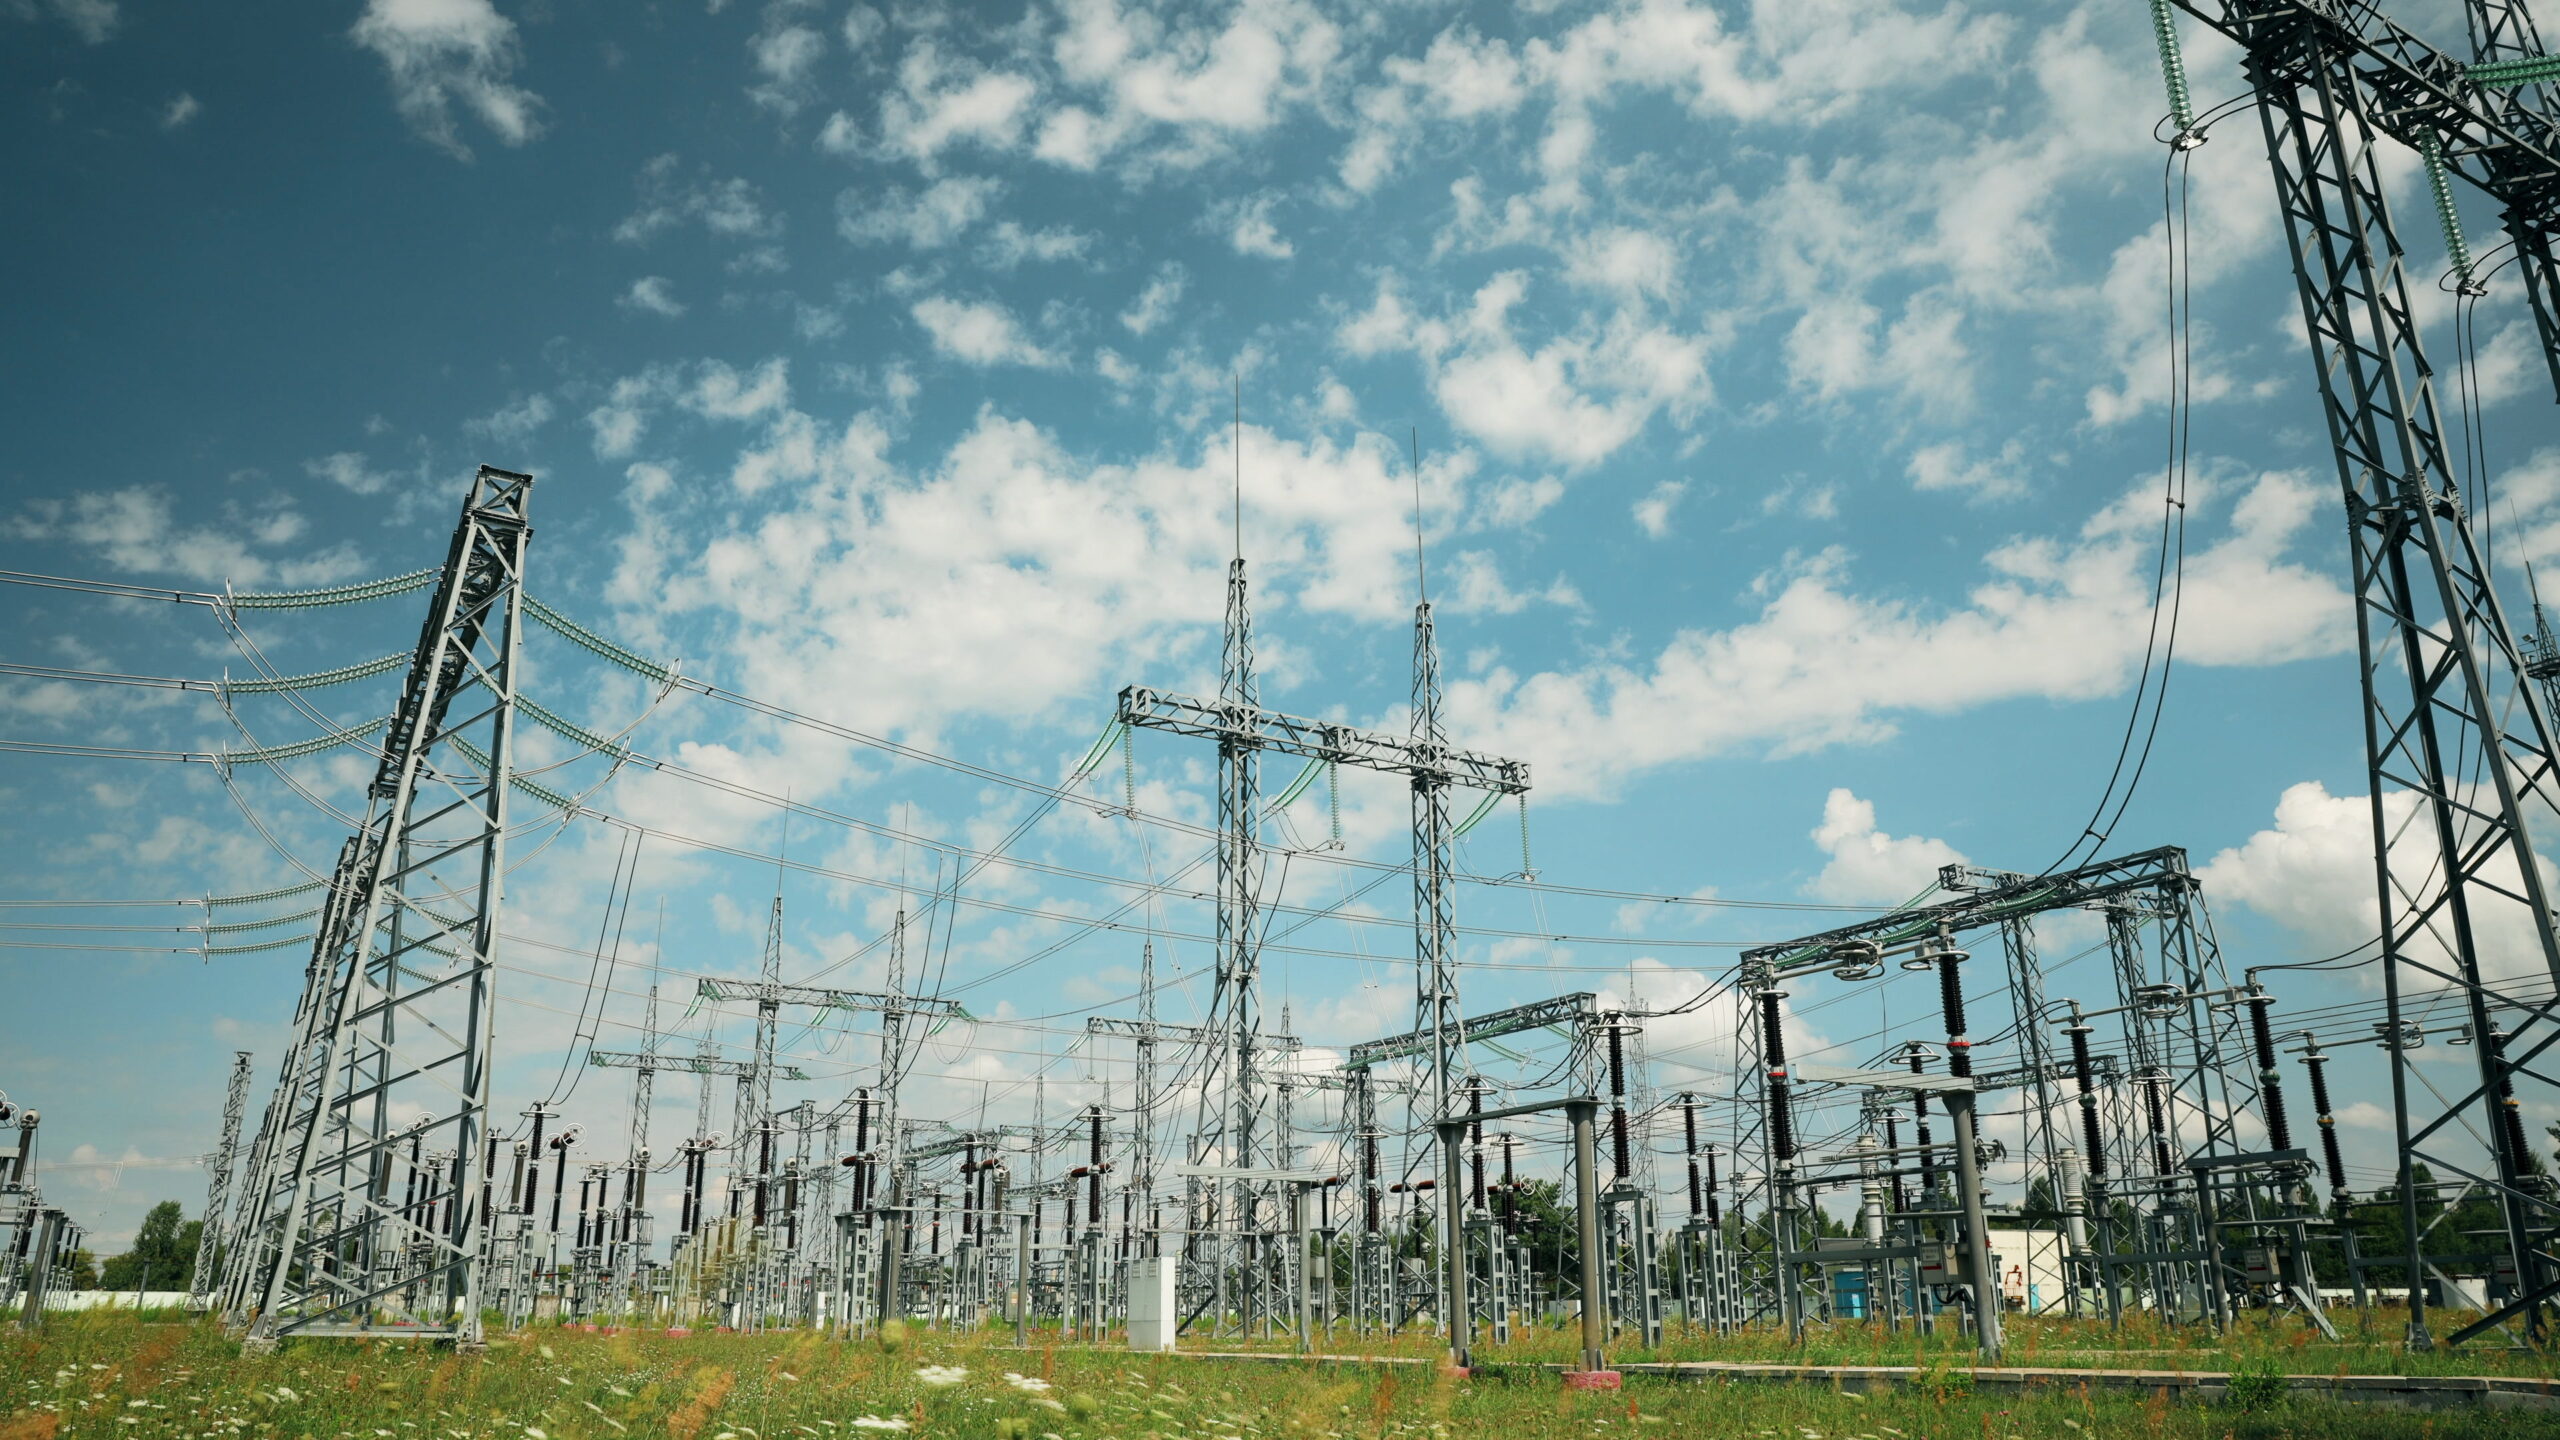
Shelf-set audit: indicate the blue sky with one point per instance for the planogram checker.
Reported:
(1790, 384)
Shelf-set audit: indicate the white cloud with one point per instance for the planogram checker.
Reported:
(653, 295)
(710, 389)
(350, 471)
(1516, 501)
(1009, 574)
(731, 209)
(938, 215)
(1820, 665)
(92, 20)
(1009, 245)
(1632, 264)
(181, 111)
(515, 422)
(1867, 866)
(1465, 75)
(447, 53)
(785, 55)
(1576, 398)
(979, 332)
(1156, 302)
(1653, 512)
(135, 530)
(1947, 466)
(1248, 228)
(1141, 75)
(939, 104)
(2313, 874)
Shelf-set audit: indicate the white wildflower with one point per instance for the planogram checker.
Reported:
(879, 1422)
(1028, 1384)
(941, 1375)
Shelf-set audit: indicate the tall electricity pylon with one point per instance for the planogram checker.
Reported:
(211, 1232)
(393, 1038)
(2450, 713)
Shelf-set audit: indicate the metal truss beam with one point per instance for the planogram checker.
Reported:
(398, 1008)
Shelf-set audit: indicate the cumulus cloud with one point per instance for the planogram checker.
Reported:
(941, 103)
(1156, 302)
(2312, 872)
(1008, 573)
(1575, 397)
(2061, 618)
(137, 530)
(1249, 230)
(979, 332)
(350, 471)
(785, 56)
(514, 422)
(1947, 465)
(1653, 512)
(1009, 245)
(925, 220)
(1136, 79)
(444, 55)
(651, 295)
(670, 196)
(180, 112)
(1867, 866)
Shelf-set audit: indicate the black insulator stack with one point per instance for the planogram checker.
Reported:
(2318, 1066)
(1618, 1167)
(2510, 1114)
(533, 1172)
(2155, 1113)
(1893, 1141)
(2270, 1079)
(1951, 1000)
(862, 1148)
(2085, 1078)
(1773, 1043)
(1475, 1143)
(1510, 1192)
(1689, 1138)
(1371, 1205)
(1093, 1179)
(1715, 1207)
(764, 1167)
(1920, 1126)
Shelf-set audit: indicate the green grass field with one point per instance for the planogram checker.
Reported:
(2370, 1343)
(118, 1378)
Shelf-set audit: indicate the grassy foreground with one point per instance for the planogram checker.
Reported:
(104, 1377)
(2370, 1342)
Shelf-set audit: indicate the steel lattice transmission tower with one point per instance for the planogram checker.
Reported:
(217, 1191)
(393, 1036)
(2450, 714)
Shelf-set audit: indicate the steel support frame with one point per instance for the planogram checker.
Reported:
(383, 1023)
(2426, 607)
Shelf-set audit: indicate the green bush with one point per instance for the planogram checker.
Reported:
(2257, 1385)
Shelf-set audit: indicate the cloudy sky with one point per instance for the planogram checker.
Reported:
(1790, 384)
